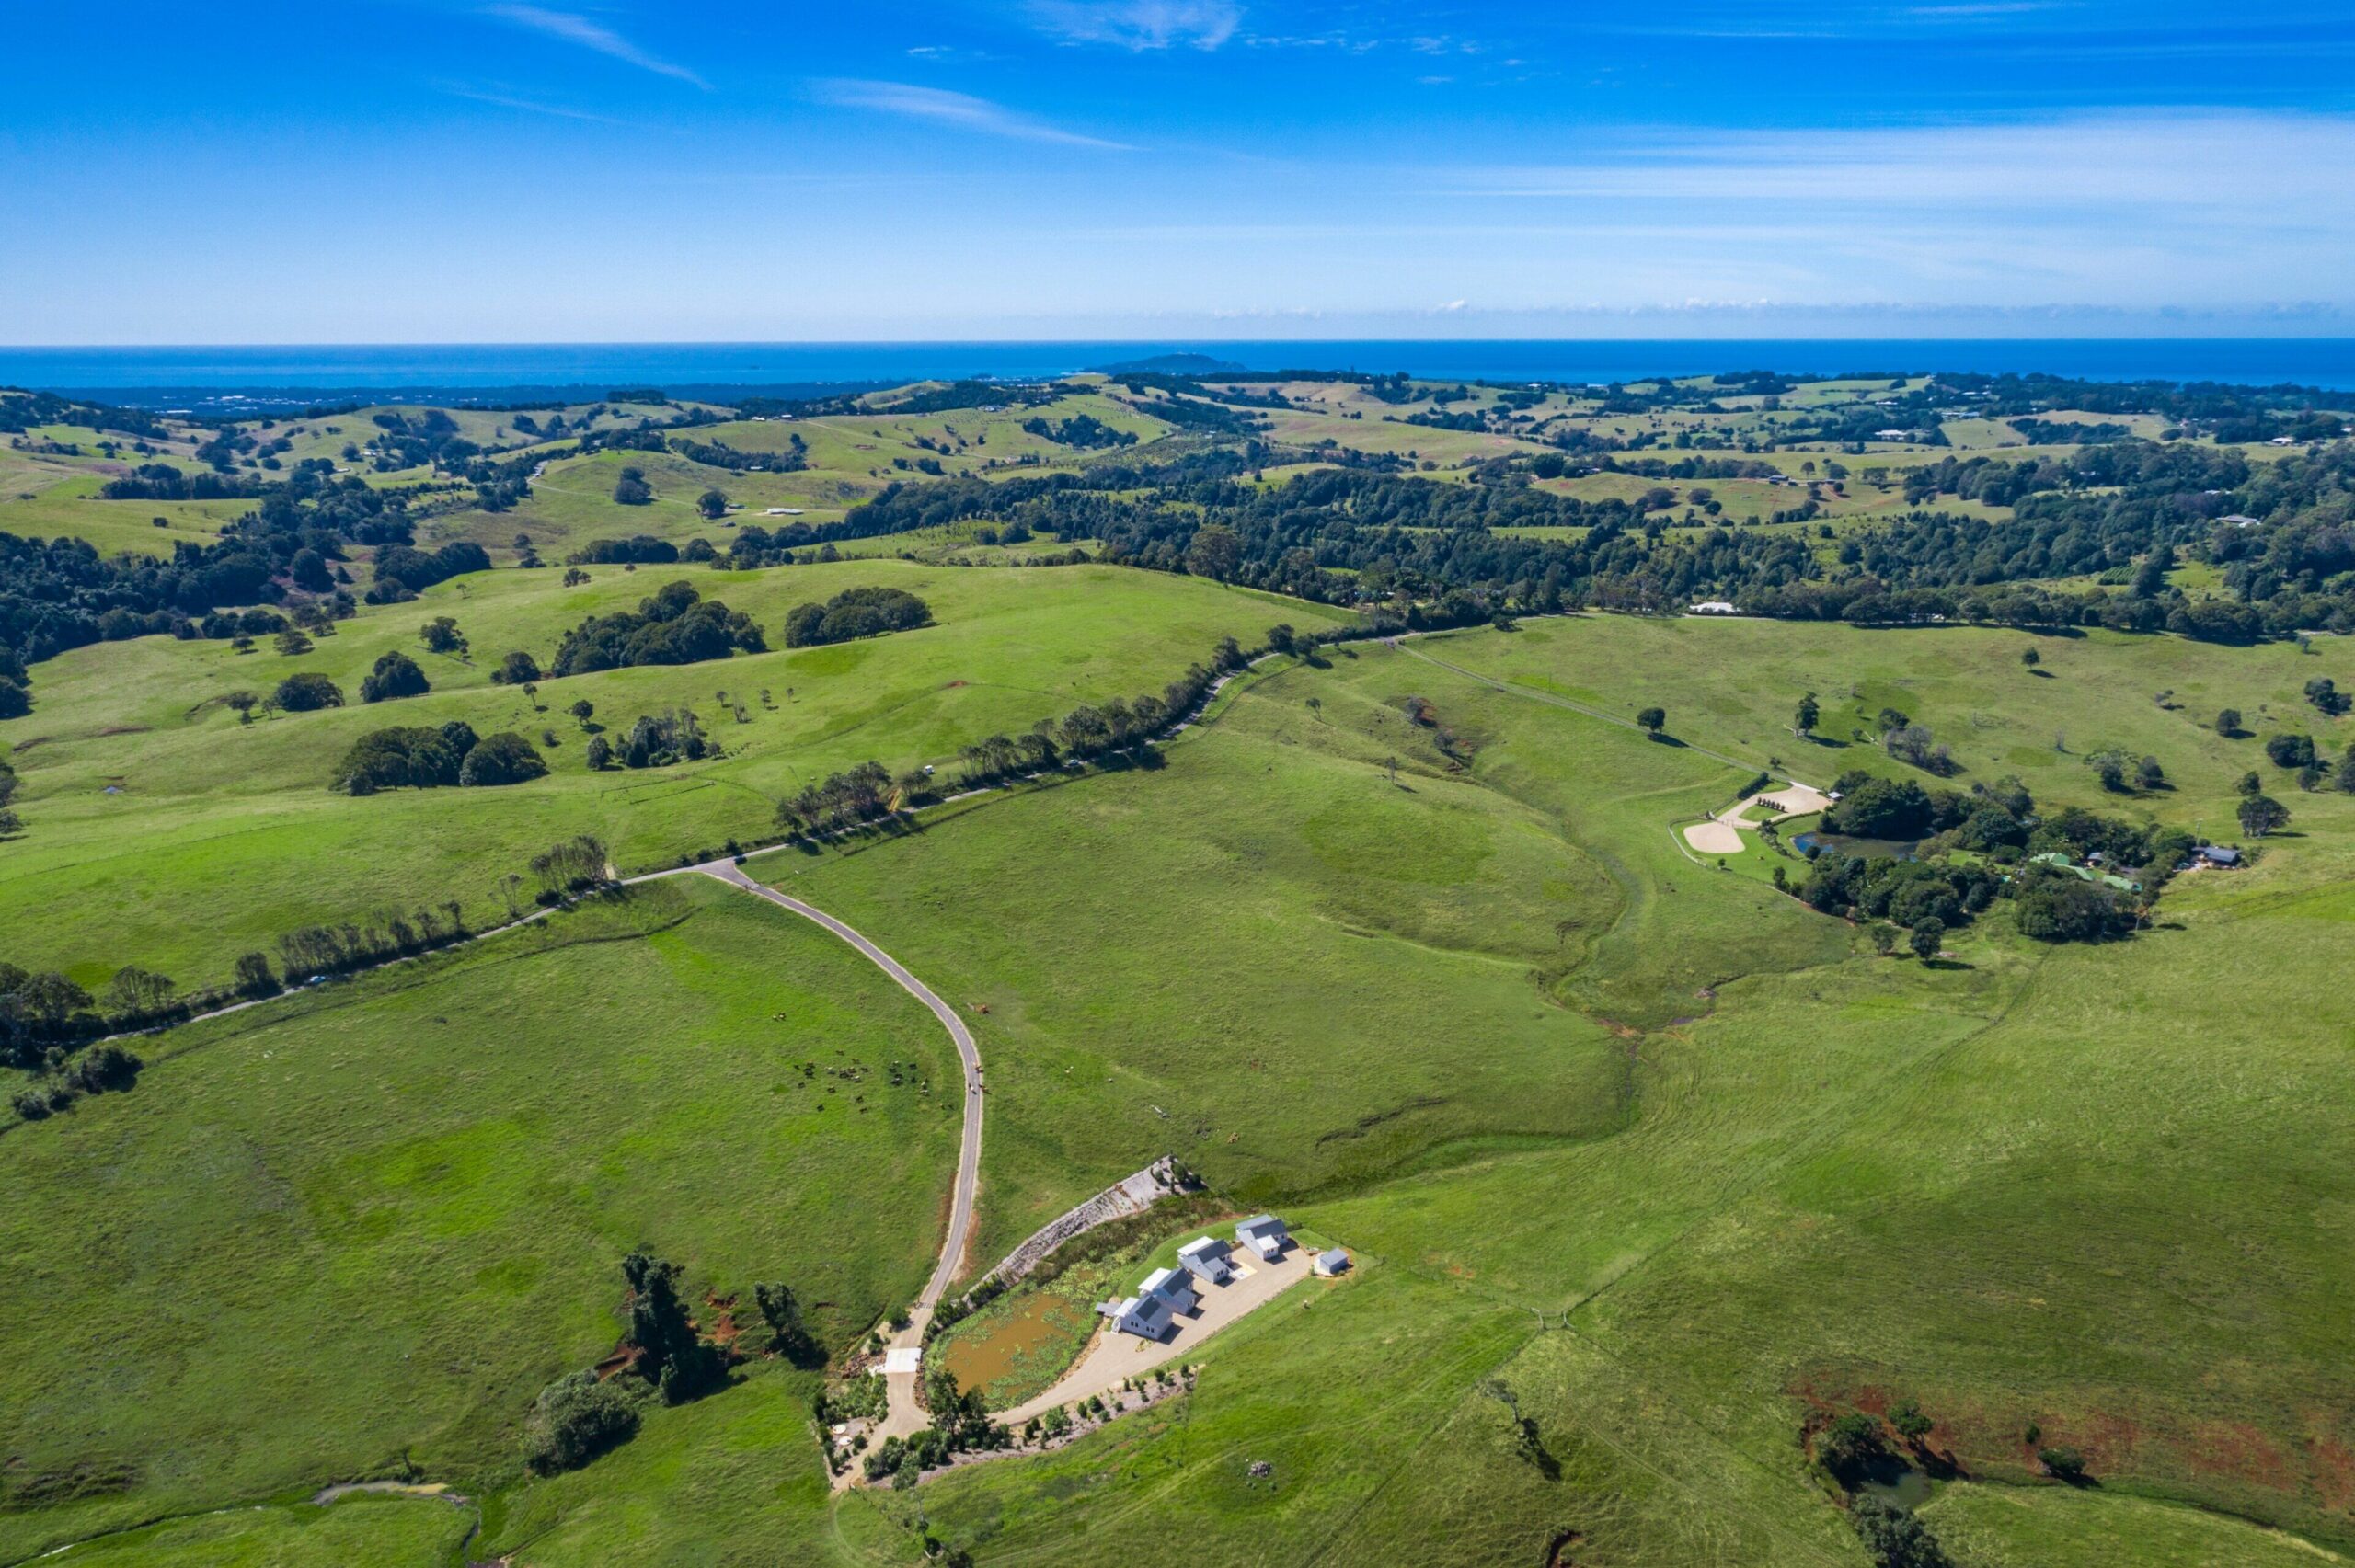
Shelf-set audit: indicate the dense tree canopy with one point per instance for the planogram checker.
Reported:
(675, 625)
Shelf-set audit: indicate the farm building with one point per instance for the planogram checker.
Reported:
(1264, 1234)
(1205, 1259)
(2219, 855)
(1149, 1313)
(1331, 1262)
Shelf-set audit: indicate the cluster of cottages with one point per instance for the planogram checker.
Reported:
(1169, 1293)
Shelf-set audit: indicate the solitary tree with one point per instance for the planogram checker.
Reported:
(292, 643)
(2030, 657)
(581, 711)
(1804, 719)
(440, 634)
(1929, 936)
(395, 675)
(2228, 723)
(713, 504)
(2261, 814)
(518, 669)
(1653, 720)
(2063, 1462)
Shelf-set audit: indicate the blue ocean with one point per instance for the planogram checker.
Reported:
(173, 376)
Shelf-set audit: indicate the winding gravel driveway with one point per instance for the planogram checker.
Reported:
(904, 1418)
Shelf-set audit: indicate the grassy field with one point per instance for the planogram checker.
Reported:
(850, 457)
(1646, 1166)
(222, 836)
(2033, 1183)
(364, 1226)
(2057, 1527)
(413, 1532)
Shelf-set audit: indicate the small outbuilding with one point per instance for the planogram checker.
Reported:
(2220, 854)
(1330, 1264)
(1264, 1234)
(1205, 1259)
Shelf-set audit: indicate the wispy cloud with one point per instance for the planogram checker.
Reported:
(527, 106)
(1140, 24)
(2281, 166)
(962, 110)
(592, 35)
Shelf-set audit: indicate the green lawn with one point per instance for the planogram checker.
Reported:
(224, 836)
(367, 1224)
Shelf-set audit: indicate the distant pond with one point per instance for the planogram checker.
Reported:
(1869, 849)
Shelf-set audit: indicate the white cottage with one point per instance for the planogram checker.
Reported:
(1264, 1234)
(1149, 1313)
(1205, 1259)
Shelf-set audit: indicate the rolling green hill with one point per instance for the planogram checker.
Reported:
(1650, 1173)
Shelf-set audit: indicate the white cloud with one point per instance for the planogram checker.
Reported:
(527, 106)
(944, 108)
(2266, 167)
(1140, 24)
(590, 35)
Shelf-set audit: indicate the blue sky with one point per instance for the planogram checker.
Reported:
(458, 170)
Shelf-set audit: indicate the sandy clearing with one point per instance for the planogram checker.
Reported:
(1721, 834)
(1796, 799)
(1713, 837)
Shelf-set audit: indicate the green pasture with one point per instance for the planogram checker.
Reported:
(364, 1225)
(1993, 1184)
(2062, 1526)
(222, 836)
